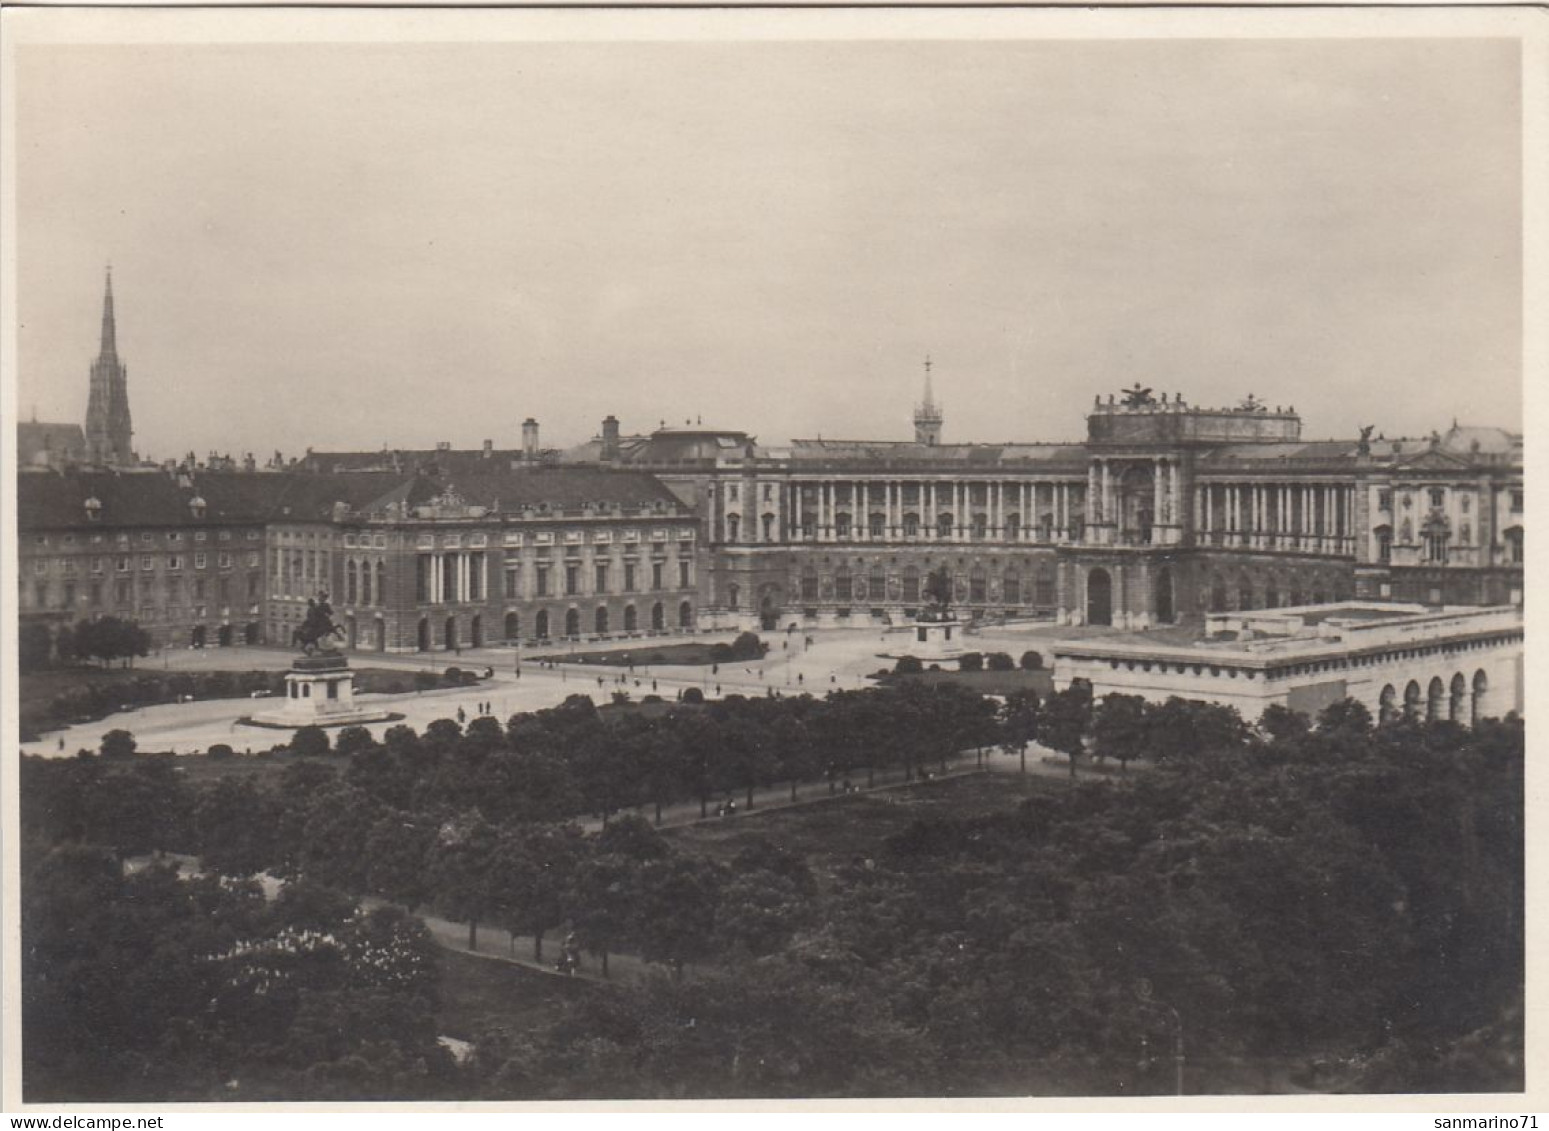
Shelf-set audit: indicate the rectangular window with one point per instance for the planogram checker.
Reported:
(147, 562)
(572, 580)
(122, 565)
(1438, 496)
(683, 582)
(41, 594)
(254, 585)
(602, 578)
(200, 536)
(69, 601)
(656, 575)
(96, 565)
(223, 591)
(199, 561)
(911, 587)
(94, 594)
(1516, 502)
(1385, 500)
(40, 567)
(513, 582)
(174, 562)
(175, 536)
(629, 577)
(146, 536)
(224, 536)
(543, 581)
(225, 560)
(199, 589)
(252, 560)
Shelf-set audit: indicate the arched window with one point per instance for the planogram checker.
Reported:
(1412, 700)
(911, 525)
(1384, 539)
(541, 625)
(911, 584)
(1245, 595)
(1457, 705)
(1436, 700)
(601, 619)
(876, 524)
(631, 618)
(1387, 705)
(685, 615)
(423, 637)
(351, 587)
(658, 616)
(876, 582)
(733, 527)
(1013, 529)
(449, 634)
(381, 583)
(1217, 594)
(769, 521)
(1011, 588)
(1481, 693)
(842, 586)
(365, 583)
(1513, 538)
(573, 622)
(513, 626)
(733, 594)
(977, 586)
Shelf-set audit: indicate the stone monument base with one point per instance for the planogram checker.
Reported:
(932, 641)
(320, 691)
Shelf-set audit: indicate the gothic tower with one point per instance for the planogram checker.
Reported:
(108, 431)
(927, 416)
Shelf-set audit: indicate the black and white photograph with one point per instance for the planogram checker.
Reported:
(722, 555)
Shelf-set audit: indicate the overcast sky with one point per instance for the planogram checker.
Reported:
(346, 246)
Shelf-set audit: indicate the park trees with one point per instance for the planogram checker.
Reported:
(534, 870)
(1066, 718)
(1020, 720)
(1119, 728)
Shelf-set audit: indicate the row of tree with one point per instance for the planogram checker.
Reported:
(102, 639)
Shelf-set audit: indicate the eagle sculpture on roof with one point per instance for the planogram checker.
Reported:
(1137, 397)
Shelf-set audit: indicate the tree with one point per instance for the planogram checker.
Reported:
(35, 645)
(1282, 724)
(1119, 727)
(674, 913)
(971, 662)
(353, 740)
(534, 870)
(999, 662)
(1067, 716)
(1020, 722)
(118, 744)
(461, 871)
(908, 665)
(1031, 661)
(1345, 715)
(236, 824)
(309, 741)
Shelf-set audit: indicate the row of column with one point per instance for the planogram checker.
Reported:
(1107, 519)
(456, 578)
(300, 573)
(1003, 501)
(1314, 517)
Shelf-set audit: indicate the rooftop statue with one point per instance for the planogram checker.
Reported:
(1251, 403)
(317, 631)
(1138, 396)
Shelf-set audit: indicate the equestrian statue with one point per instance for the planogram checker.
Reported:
(317, 632)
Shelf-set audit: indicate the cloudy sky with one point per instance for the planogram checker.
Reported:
(352, 245)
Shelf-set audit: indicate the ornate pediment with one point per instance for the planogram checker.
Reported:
(1431, 460)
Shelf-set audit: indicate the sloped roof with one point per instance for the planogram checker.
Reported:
(153, 498)
(39, 441)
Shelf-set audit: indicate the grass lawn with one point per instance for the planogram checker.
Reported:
(986, 683)
(689, 653)
(480, 993)
(833, 833)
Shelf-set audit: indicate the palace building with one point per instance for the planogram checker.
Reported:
(1164, 513)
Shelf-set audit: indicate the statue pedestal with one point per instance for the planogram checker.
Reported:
(933, 641)
(320, 691)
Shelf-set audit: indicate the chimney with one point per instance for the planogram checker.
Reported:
(489, 448)
(443, 445)
(530, 438)
(610, 438)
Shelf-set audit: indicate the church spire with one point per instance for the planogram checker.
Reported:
(927, 414)
(109, 327)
